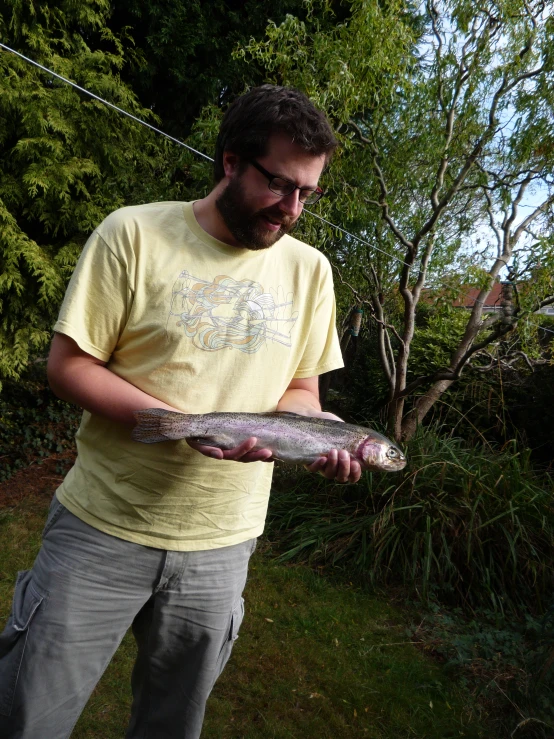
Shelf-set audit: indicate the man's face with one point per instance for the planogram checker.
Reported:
(255, 217)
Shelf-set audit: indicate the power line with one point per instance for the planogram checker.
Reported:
(362, 241)
(176, 141)
(110, 105)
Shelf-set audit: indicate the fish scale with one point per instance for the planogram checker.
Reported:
(292, 438)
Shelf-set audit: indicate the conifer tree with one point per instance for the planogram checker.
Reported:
(66, 160)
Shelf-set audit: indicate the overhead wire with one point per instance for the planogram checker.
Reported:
(106, 102)
(178, 141)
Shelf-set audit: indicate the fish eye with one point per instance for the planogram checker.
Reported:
(392, 453)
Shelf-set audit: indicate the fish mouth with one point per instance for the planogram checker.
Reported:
(396, 465)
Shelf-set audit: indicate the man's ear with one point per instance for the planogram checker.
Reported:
(231, 163)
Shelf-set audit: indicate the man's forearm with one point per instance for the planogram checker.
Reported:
(100, 391)
(302, 397)
(81, 379)
(299, 401)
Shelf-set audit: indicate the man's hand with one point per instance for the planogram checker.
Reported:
(302, 397)
(338, 464)
(241, 453)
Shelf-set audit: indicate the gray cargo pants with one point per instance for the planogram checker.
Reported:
(71, 611)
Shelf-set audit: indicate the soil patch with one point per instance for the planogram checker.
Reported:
(40, 479)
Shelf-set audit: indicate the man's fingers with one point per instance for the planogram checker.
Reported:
(326, 466)
(241, 450)
(342, 469)
(317, 465)
(260, 455)
(245, 452)
(241, 453)
(207, 451)
(337, 465)
(323, 464)
(355, 471)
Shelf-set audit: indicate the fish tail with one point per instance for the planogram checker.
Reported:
(158, 424)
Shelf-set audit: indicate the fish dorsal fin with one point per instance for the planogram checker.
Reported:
(285, 413)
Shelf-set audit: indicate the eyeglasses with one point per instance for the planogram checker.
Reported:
(282, 187)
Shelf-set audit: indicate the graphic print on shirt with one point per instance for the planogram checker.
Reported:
(226, 313)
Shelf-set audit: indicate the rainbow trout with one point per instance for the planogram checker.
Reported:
(292, 438)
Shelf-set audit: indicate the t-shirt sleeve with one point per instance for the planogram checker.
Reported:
(322, 352)
(97, 301)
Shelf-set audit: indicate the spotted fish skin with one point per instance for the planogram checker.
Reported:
(291, 438)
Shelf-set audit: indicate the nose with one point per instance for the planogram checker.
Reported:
(291, 205)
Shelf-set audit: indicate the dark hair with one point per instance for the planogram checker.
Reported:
(252, 118)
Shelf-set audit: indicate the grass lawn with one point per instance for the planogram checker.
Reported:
(314, 659)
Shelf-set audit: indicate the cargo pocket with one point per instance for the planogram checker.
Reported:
(54, 512)
(237, 616)
(26, 600)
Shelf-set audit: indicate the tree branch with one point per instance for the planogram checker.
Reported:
(531, 217)
(382, 203)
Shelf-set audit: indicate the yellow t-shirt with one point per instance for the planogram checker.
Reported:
(203, 326)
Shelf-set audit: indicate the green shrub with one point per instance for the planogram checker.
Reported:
(507, 663)
(469, 526)
(33, 423)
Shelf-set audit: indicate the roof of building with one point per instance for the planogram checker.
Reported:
(493, 300)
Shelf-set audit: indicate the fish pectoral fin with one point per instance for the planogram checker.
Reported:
(207, 440)
(220, 441)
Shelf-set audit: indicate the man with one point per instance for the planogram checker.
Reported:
(194, 307)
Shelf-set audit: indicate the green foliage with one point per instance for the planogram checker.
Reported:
(65, 160)
(184, 49)
(508, 663)
(472, 527)
(329, 60)
(34, 424)
(438, 335)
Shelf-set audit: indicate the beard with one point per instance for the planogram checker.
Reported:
(246, 225)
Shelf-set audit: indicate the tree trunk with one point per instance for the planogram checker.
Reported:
(421, 407)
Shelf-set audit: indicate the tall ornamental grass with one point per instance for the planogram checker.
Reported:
(473, 527)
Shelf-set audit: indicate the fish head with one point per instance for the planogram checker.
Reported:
(376, 452)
